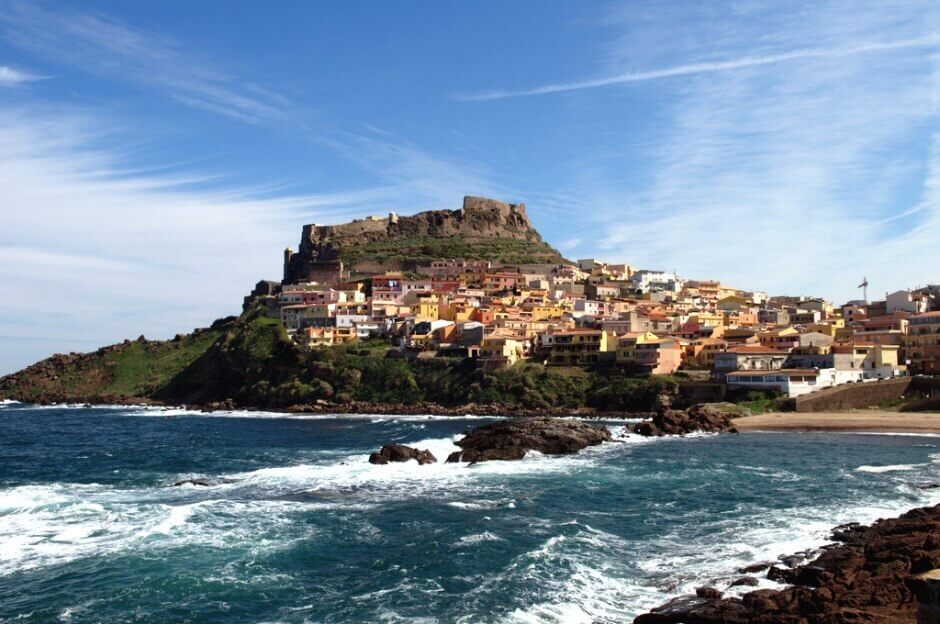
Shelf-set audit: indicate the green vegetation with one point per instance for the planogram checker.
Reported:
(759, 401)
(416, 250)
(132, 369)
(143, 368)
(252, 361)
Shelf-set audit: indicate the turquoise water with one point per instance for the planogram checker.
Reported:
(307, 531)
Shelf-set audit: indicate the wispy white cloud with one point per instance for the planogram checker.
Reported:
(101, 251)
(798, 180)
(98, 254)
(688, 69)
(104, 46)
(12, 77)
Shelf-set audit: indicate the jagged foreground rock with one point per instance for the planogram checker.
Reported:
(512, 439)
(870, 576)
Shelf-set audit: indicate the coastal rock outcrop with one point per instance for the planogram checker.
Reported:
(870, 576)
(705, 417)
(512, 439)
(401, 453)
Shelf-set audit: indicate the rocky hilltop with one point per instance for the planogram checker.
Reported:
(483, 229)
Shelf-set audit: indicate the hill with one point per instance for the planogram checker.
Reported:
(131, 371)
(249, 362)
(483, 229)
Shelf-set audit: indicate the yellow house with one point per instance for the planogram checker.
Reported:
(733, 302)
(457, 311)
(703, 350)
(500, 349)
(578, 347)
(707, 319)
(830, 327)
(544, 312)
(428, 307)
(318, 337)
(626, 345)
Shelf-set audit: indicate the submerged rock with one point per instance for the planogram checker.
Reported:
(747, 581)
(202, 482)
(755, 567)
(401, 453)
(705, 417)
(512, 439)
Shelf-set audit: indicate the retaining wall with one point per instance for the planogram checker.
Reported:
(854, 396)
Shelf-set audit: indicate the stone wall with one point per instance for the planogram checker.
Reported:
(928, 388)
(693, 392)
(853, 396)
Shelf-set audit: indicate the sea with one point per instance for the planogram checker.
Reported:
(301, 528)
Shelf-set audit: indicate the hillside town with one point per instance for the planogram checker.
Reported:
(595, 314)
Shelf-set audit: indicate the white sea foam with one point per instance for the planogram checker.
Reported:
(54, 524)
(166, 412)
(583, 574)
(354, 473)
(477, 538)
(888, 468)
(480, 504)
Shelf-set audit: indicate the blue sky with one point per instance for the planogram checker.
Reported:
(156, 157)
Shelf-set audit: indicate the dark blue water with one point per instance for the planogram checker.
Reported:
(305, 530)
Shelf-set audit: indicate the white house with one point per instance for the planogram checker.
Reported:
(646, 281)
(791, 382)
(907, 301)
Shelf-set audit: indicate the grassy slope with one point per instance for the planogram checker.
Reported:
(142, 369)
(129, 369)
(418, 250)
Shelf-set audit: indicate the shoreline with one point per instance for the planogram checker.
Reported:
(875, 421)
(875, 573)
(375, 409)
(872, 421)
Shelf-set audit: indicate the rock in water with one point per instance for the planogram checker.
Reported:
(401, 453)
(512, 439)
(707, 417)
(202, 482)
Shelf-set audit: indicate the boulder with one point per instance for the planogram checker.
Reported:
(401, 453)
(512, 439)
(708, 592)
(748, 581)
(705, 417)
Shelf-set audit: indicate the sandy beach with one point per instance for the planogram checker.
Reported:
(873, 420)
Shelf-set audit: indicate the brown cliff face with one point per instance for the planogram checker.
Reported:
(484, 229)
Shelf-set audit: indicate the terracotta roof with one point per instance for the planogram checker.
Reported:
(790, 372)
(756, 348)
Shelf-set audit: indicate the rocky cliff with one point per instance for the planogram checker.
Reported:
(483, 229)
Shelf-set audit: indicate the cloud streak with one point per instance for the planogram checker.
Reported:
(705, 68)
(13, 77)
(107, 47)
(103, 251)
